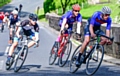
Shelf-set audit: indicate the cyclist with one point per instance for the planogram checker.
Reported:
(14, 20)
(6, 18)
(94, 24)
(68, 19)
(1, 19)
(26, 28)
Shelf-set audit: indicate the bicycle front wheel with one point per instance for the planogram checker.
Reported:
(53, 54)
(94, 60)
(64, 56)
(73, 67)
(20, 58)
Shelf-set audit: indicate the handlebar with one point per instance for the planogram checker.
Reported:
(99, 34)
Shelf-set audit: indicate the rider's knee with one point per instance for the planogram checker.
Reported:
(14, 44)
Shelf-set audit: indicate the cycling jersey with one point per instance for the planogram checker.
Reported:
(2, 16)
(70, 18)
(12, 20)
(96, 20)
(27, 28)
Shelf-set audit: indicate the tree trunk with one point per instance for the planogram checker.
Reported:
(64, 8)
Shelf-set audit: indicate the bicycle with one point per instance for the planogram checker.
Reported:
(92, 57)
(62, 50)
(20, 53)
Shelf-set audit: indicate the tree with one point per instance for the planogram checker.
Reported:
(64, 4)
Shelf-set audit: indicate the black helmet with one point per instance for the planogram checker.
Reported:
(31, 16)
(16, 9)
(35, 17)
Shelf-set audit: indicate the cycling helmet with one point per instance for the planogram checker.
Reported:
(35, 17)
(16, 9)
(15, 12)
(6, 14)
(31, 16)
(76, 7)
(106, 10)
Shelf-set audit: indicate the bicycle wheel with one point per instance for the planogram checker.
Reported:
(11, 62)
(53, 54)
(73, 67)
(94, 60)
(20, 58)
(64, 56)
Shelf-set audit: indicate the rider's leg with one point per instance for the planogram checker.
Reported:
(10, 36)
(12, 48)
(84, 44)
(30, 44)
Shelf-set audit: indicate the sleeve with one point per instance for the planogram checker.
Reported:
(94, 16)
(109, 24)
(66, 15)
(79, 18)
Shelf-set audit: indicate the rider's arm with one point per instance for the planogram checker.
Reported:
(92, 22)
(63, 23)
(79, 21)
(91, 29)
(108, 27)
(18, 32)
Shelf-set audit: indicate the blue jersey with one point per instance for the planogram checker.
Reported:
(12, 20)
(96, 20)
(70, 18)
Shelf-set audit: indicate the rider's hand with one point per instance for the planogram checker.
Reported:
(93, 35)
(109, 42)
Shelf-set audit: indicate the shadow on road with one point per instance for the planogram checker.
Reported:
(1, 53)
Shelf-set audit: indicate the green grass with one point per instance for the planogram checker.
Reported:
(88, 10)
(3, 2)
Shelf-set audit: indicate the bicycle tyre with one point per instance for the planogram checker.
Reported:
(73, 67)
(12, 61)
(91, 60)
(25, 50)
(53, 54)
(61, 62)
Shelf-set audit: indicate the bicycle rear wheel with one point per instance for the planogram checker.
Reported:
(20, 58)
(73, 67)
(53, 54)
(64, 56)
(94, 60)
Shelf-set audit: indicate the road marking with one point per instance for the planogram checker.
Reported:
(1, 64)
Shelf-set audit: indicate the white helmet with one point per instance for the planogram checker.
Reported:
(15, 12)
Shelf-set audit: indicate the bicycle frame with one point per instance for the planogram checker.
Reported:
(94, 46)
(63, 41)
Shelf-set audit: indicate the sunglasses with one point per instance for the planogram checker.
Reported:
(76, 10)
(106, 14)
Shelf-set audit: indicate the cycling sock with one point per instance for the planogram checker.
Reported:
(79, 56)
(58, 39)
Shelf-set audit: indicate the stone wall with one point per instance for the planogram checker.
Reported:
(112, 50)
